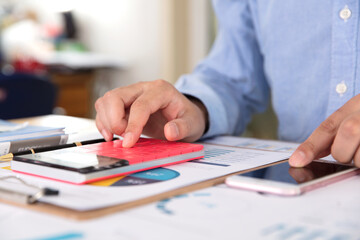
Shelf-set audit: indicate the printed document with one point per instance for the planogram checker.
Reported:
(218, 161)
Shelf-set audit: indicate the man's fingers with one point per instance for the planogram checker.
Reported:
(347, 140)
(322, 139)
(182, 128)
(111, 108)
(343, 144)
(317, 143)
(101, 121)
(139, 114)
(104, 132)
(114, 115)
(177, 129)
(141, 109)
(319, 140)
(357, 158)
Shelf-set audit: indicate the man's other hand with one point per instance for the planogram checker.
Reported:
(338, 135)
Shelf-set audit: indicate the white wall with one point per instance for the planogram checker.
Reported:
(135, 31)
(128, 29)
(200, 31)
(187, 30)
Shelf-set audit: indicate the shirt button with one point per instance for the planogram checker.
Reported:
(341, 88)
(345, 13)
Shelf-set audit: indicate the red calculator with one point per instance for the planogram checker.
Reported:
(104, 160)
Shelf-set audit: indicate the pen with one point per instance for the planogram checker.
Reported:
(9, 156)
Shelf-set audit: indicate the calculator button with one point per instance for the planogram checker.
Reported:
(162, 154)
(134, 160)
(144, 150)
(121, 163)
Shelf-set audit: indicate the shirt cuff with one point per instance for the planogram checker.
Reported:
(196, 86)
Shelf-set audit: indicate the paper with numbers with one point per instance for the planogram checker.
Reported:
(218, 161)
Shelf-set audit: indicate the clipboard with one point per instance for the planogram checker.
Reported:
(24, 197)
(92, 214)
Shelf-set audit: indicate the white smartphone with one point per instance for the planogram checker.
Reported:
(281, 179)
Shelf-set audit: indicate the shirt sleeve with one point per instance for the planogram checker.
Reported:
(230, 81)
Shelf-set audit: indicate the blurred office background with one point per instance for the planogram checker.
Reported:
(87, 47)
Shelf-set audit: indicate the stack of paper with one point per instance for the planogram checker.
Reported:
(19, 137)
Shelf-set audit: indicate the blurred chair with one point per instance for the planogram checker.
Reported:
(24, 95)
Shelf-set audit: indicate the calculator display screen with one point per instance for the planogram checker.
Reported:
(72, 159)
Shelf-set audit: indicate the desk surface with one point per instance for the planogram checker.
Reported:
(212, 213)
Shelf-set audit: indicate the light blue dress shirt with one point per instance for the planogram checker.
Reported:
(304, 53)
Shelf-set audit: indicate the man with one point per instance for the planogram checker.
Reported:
(304, 53)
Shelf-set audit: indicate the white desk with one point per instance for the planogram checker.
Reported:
(213, 213)
(332, 212)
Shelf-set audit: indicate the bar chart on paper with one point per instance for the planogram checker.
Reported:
(141, 178)
(253, 143)
(211, 157)
(226, 157)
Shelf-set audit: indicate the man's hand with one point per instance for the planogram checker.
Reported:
(339, 135)
(154, 108)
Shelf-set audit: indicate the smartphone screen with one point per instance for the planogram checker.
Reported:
(282, 179)
(283, 172)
